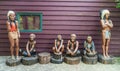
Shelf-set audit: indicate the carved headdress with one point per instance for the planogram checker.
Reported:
(10, 12)
(103, 13)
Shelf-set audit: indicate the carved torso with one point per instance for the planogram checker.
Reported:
(31, 43)
(105, 23)
(58, 42)
(72, 45)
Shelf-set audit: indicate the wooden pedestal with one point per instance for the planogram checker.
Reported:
(90, 60)
(110, 60)
(72, 60)
(29, 60)
(11, 62)
(44, 58)
(56, 61)
(56, 58)
(91, 54)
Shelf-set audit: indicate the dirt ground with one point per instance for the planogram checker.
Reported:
(60, 67)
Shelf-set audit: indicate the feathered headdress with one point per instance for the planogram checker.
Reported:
(103, 12)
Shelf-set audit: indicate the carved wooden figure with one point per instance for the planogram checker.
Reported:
(89, 56)
(107, 25)
(58, 50)
(72, 54)
(13, 34)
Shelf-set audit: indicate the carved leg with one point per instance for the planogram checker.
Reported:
(107, 46)
(54, 50)
(12, 47)
(103, 44)
(62, 49)
(17, 48)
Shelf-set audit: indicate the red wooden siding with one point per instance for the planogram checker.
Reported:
(62, 17)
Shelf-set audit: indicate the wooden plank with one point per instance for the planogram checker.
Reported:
(67, 23)
(94, 28)
(53, 8)
(66, 32)
(64, 0)
(76, 23)
(53, 36)
(66, 18)
(68, 13)
(3, 53)
(56, 4)
(62, 32)
(50, 44)
(65, 37)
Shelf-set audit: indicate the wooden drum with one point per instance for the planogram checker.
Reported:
(72, 60)
(44, 58)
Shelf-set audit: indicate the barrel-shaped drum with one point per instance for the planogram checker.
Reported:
(72, 60)
(44, 57)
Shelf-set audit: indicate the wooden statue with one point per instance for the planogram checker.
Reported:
(107, 25)
(13, 33)
(29, 54)
(73, 54)
(58, 50)
(72, 46)
(58, 45)
(30, 47)
(89, 47)
(90, 55)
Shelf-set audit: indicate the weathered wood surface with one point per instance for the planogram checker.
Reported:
(29, 60)
(13, 62)
(57, 61)
(91, 54)
(72, 60)
(57, 58)
(110, 60)
(44, 57)
(90, 60)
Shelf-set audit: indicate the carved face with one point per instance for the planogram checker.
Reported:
(31, 38)
(89, 39)
(12, 16)
(107, 15)
(73, 38)
(59, 37)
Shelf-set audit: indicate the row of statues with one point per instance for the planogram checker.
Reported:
(72, 44)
